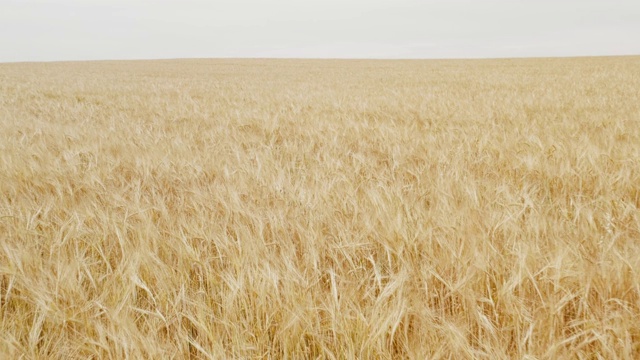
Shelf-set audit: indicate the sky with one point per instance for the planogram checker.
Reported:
(39, 30)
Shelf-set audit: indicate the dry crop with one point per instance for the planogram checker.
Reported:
(463, 209)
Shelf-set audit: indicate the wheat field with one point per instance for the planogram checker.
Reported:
(333, 209)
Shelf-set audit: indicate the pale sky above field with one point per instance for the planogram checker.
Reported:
(32, 30)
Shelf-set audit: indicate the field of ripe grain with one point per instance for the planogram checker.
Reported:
(477, 209)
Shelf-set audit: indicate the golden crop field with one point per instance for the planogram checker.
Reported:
(338, 209)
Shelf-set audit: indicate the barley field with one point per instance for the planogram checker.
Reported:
(320, 209)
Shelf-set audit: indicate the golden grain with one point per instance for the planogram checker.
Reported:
(479, 209)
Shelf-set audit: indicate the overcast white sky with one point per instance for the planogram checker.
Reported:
(32, 30)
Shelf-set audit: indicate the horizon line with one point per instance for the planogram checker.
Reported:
(244, 58)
